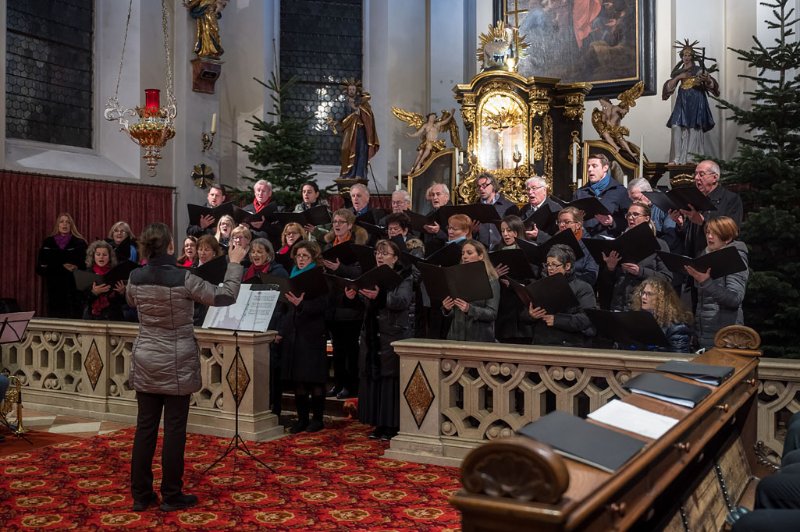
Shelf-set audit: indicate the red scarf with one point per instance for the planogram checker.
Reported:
(255, 271)
(258, 206)
(102, 301)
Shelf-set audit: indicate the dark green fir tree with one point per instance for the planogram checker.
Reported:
(766, 169)
(281, 150)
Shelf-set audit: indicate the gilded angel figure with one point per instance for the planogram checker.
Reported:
(428, 128)
(607, 120)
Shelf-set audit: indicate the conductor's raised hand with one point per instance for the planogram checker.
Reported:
(236, 254)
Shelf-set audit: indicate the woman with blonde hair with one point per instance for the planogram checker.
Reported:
(474, 321)
(292, 233)
(104, 302)
(61, 253)
(117, 235)
(224, 229)
(656, 295)
(719, 301)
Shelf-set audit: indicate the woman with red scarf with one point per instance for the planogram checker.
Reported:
(104, 302)
(261, 261)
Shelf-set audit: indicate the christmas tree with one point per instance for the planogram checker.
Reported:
(767, 171)
(281, 150)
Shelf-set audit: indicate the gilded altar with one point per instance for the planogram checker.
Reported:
(518, 127)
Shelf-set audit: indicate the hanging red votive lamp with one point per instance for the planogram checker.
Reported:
(152, 102)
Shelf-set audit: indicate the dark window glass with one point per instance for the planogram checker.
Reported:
(321, 44)
(49, 71)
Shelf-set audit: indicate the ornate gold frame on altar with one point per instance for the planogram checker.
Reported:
(518, 127)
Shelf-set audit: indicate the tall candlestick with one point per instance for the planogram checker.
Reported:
(575, 162)
(399, 169)
(213, 123)
(641, 156)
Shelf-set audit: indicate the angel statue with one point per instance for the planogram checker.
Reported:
(606, 120)
(428, 128)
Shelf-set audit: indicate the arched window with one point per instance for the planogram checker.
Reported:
(49, 50)
(321, 44)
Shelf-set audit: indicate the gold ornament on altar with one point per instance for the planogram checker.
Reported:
(429, 127)
(501, 48)
(156, 124)
(607, 121)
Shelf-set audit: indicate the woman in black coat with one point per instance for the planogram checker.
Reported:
(389, 317)
(63, 252)
(302, 335)
(570, 328)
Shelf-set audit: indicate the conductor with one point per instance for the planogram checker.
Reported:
(165, 363)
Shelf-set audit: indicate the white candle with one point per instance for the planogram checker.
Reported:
(575, 162)
(399, 168)
(641, 156)
(456, 161)
(213, 123)
(533, 160)
(461, 160)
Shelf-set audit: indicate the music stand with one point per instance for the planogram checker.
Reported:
(236, 443)
(12, 330)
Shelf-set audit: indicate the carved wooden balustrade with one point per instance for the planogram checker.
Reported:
(456, 395)
(81, 367)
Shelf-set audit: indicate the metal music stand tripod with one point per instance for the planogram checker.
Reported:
(236, 443)
(12, 330)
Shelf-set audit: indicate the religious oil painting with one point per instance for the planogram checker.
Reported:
(609, 44)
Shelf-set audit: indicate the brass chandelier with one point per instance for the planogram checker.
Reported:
(156, 124)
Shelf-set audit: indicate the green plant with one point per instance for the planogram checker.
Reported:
(767, 172)
(281, 151)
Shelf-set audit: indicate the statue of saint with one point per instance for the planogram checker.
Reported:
(207, 13)
(359, 136)
(691, 117)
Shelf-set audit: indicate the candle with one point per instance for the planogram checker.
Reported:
(641, 156)
(213, 123)
(575, 162)
(399, 169)
(461, 160)
(533, 160)
(152, 100)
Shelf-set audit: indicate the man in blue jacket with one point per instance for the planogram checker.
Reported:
(611, 193)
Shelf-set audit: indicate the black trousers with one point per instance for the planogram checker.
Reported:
(345, 336)
(176, 412)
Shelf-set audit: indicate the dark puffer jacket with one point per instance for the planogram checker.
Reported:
(719, 301)
(165, 357)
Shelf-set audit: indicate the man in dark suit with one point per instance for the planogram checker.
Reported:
(538, 198)
(691, 222)
(208, 224)
(433, 235)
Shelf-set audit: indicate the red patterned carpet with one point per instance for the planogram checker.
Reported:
(331, 480)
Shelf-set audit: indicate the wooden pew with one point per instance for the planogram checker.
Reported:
(689, 479)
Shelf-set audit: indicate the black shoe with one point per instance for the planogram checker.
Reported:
(316, 425)
(376, 434)
(299, 426)
(333, 392)
(181, 502)
(388, 434)
(343, 394)
(144, 504)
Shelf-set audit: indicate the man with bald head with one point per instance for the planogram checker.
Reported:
(691, 221)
